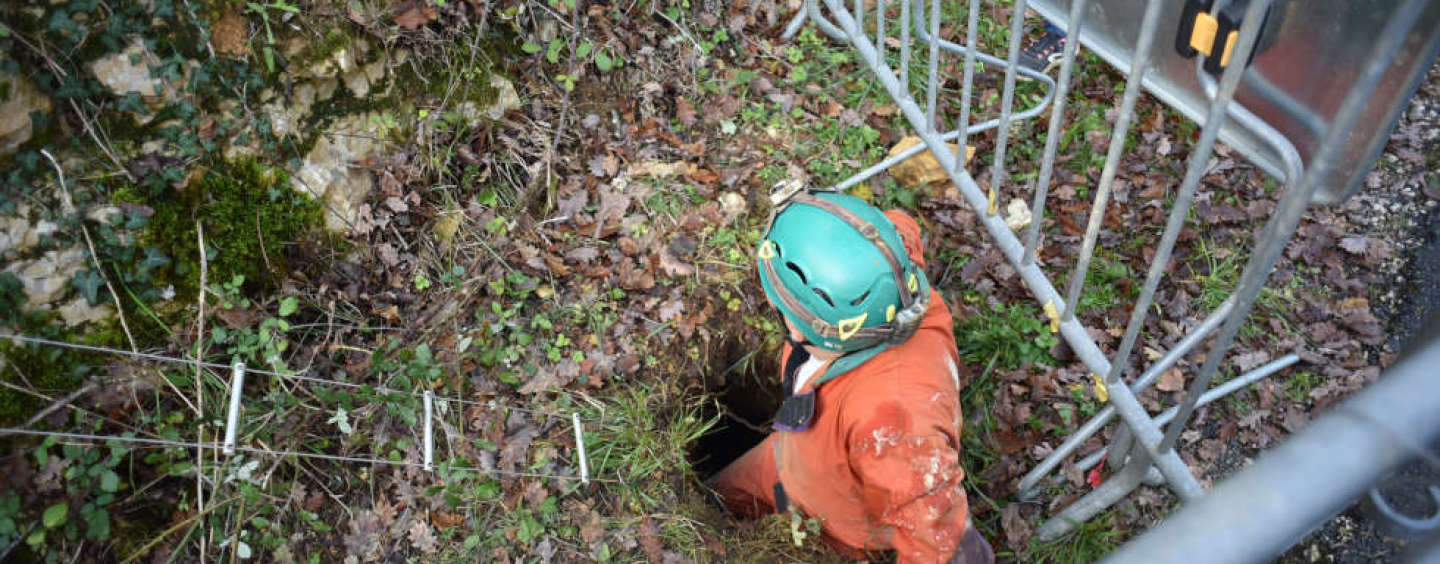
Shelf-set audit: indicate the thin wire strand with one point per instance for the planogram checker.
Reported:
(301, 454)
(294, 376)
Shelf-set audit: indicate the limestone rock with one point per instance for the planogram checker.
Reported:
(20, 98)
(47, 278)
(339, 62)
(287, 115)
(732, 204)
(334, 171)
(79, 311)
(129, 71)
(360, 80)
(506, 99)
(18, 234)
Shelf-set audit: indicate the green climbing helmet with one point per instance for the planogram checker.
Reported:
(837, 269)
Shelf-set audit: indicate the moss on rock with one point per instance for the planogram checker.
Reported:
(249, 214)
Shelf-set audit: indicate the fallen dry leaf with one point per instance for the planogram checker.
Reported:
(415, 13)
(1017, 530)
(1171, 380)
(230, 35)
(650, 540)
(422, 538)
(685, 112)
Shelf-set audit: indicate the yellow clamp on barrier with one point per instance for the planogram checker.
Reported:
(994, 207)
(1212, 34)
(1202, 36)
(1230, 40)
(1101, 393)
(1054, 316)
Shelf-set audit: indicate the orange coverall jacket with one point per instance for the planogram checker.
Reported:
(880, 464)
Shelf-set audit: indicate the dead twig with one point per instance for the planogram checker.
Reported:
(62, 402)
(68, 204)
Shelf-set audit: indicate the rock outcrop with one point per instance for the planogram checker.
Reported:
(18, 99)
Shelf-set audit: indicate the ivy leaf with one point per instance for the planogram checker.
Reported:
(553, 53)
(109, 481)
(98, 525)
(604, 62)
(584, 49)
(88, 283)
(531, 47)
(288, 306)
(55, 515)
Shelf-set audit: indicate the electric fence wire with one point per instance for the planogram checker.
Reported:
(295, 453)
(299, 376)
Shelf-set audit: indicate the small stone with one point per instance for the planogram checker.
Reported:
(1017, 214)
(732, 204)
(106, 215)
(923, 168)
(129, 71)
(230, 35)
(506, 99)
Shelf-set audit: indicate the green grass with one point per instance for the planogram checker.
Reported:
(1089, 542)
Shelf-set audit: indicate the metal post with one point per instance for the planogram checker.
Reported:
(972, 24)
(232, 417)
(429, 400)
(580, 449)
(1007, 97)
(932, 79)
(905, 46)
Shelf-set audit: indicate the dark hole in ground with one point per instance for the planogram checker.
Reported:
(744, 386)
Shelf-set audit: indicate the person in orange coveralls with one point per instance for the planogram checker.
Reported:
(868, 437)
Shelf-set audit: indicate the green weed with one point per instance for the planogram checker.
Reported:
(1013, 334)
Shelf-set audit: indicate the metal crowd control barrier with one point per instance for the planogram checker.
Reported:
(1387, 47)
(1300, 483)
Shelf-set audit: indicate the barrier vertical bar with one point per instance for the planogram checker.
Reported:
(972, 23)
(1007, 98)
(1052, 135)
(932, 79)
(905, 46)
(880, 29)
(1139, 64)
